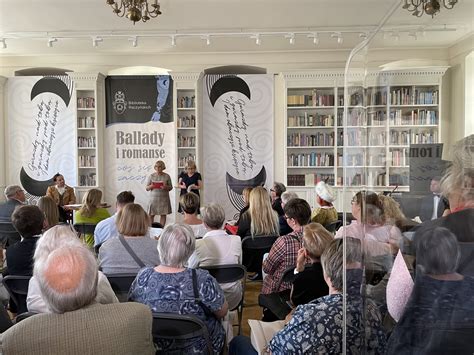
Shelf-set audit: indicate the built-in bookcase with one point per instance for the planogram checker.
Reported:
(186, 126)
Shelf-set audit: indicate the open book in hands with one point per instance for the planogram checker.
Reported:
(262, 332)
(158, 185)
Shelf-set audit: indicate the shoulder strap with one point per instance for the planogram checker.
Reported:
(206, 309)
(130, 251)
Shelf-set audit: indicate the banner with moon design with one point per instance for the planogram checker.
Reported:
(237, 126)
(40, 129)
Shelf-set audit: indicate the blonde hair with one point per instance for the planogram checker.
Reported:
(160, 163)
(47, 205)
(90, 202)
(315, 239)
(263, 219)
(190, 164)
(391, 210)
(246, 193)
(133, 221)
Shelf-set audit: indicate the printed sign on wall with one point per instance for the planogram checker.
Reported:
(237, 137)
(41, 132)
(140, 130)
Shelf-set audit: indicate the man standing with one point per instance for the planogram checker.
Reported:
(68, 283)
(433, 206)
(108, 228)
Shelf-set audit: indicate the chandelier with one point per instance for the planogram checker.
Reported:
(430, 7)
(135, 10)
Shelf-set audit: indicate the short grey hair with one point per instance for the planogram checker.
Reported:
(68, 278)
(11, 190)
(176, 245)
(54, 238)
(279, 188)
(437, 251)
(213, 216)
(288, 195)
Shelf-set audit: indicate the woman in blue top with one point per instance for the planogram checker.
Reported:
(169, 288)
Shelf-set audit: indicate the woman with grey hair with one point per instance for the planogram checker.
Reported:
(275, 192)
(218, 248)
(285, 197)
(173, 288)
(52, 239)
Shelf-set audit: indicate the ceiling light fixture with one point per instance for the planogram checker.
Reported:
(429, 7)
(338, 35)
(173, 41)
(315, 37)
(291, 37)
(96, 40)
(134, 41)
(51, 40)
(413, 34)
(135, 10)
(258, 41)
(3, 43)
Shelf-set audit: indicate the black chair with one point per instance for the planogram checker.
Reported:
(121, 284)
(8, 234)
(17, 287)
(333, 226)
(230, 273)
(85, 228)
(277, 302)
(466, 261)
(156, 225)
(170, 327)
(253, 249)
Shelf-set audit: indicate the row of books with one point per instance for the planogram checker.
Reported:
(306, 120)
(318, 139)
(86, 142)
(354, 99)
(182, 160)
(409, 137)
(186, 141)
(87, 161)
(187, 121)
(187, 101)
(399, 157)
(410, 96)
(414, 117)
(309, 179)
(376, 98)
(86, 122)
(87, 180)
(85, 102)
(310, 159)
(317, 98)
(373, 178)
(360, 160)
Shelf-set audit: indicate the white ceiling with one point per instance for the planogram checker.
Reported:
(84, 19)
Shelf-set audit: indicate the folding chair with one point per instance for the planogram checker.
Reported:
(171, 326)
(253, 249)
(333, 226)
(227, 274)
(121, 284)
(17, 287)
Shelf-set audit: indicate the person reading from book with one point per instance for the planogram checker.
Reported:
(159, 185)
(91, 212)
(62, 195)
(173, 288)
(326, 212)
(132, 249)
(190, 180)
(189, 203)
(275, 193)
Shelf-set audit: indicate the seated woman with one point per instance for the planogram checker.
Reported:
(219, 248)
(245, 196)
(47, 205)
(439, 315)
(275, 193)
(62, 195)
(309, 282)
(169, 288)
(326, 212)
(189, 203)
(285, 197)
(114, 255)
(91, 212)
(55, 237)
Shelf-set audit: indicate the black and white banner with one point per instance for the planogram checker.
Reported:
(140, 129)
(237, 130)
(41, 139)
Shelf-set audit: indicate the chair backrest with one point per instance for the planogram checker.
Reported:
(262, 243)
(288, 276)
(226, 273)
(85, 228)
(333, 226)
(9, 233)
(171, 326)
(121, 283)
(466, 262)
(17, 287)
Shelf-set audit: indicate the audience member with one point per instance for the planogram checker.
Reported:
(159, 183)
(91, 212)
(285, 249)
(326, 212)
(439, 315)
(68, 282)
(285, 197)
(107, 228)
(52, 239)
(189, 203)
(171, 287)
(393, 214)
(47, 205)
(218, 248)
(245, 196)
(433, 205)
(15, 197)
(132, 249)
(62, 195)
(275, 193)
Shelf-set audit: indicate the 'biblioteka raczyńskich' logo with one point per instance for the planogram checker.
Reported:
(119, 103)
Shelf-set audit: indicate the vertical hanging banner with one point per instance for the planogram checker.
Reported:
(140, 130)
(237, 123)
(41, 132)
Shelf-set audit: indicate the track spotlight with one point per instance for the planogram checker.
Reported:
(96, 40)
(134, 41)
(3, 43)
(208, 40)
(173, 41)
(338, 35)
(315, 37)
(257, 40)
(51, 40)
(291, 38)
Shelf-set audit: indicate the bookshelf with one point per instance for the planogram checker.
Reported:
(385, 114)
(186, 138)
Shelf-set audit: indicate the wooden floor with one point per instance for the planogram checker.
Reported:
(251, 308)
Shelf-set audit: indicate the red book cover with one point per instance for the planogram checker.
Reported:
(158, 185)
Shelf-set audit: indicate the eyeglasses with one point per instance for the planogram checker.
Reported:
(272, 190)
(286, 217)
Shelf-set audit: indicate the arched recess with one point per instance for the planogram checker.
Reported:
(42, 71)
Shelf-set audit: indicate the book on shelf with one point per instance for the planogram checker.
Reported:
(316, 98)
(85, 102)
